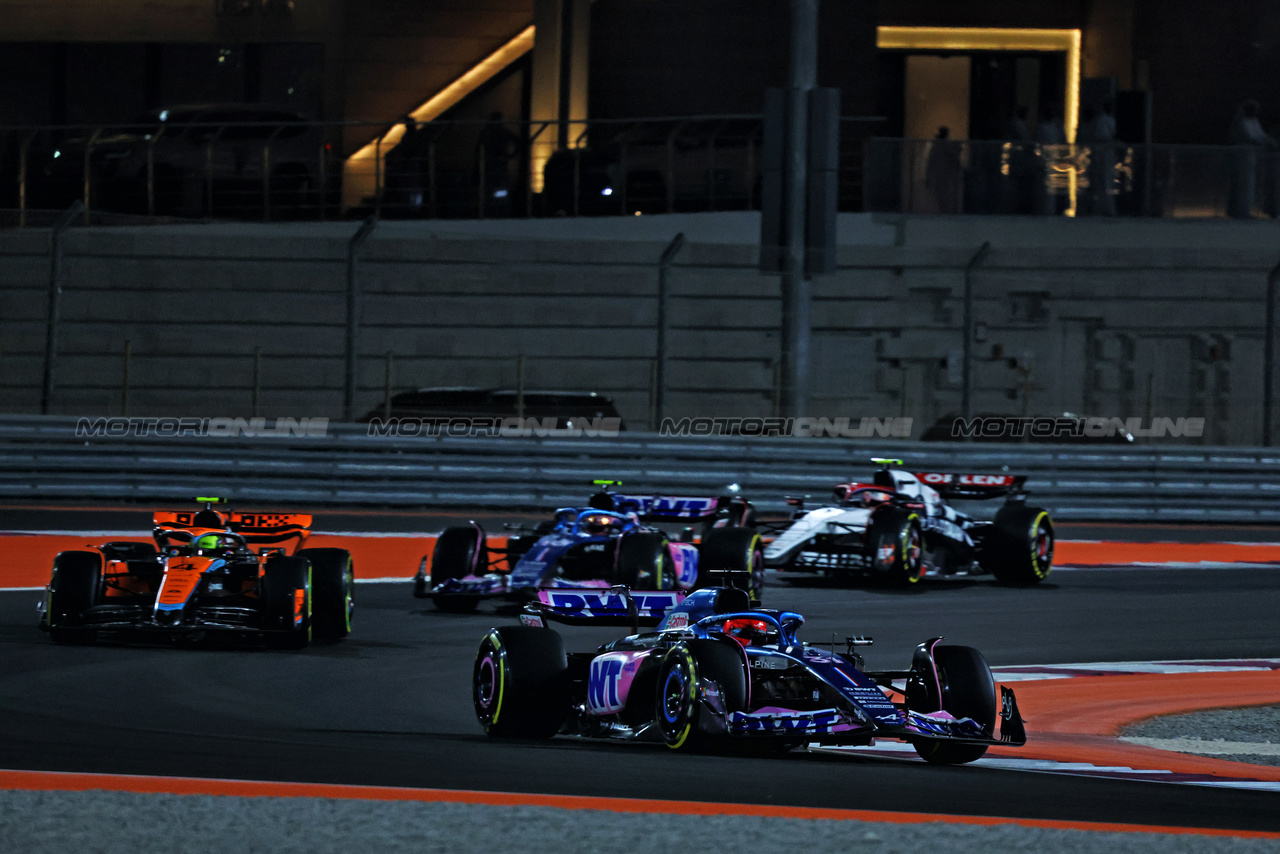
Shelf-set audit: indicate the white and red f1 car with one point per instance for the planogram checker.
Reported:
(901, 527)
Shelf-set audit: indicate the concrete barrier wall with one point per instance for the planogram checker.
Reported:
(1113, 318)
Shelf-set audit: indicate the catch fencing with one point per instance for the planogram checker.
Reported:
(43, 458)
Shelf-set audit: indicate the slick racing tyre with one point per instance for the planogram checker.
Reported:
(286, 594)
(334, 591)
(732, 557)
(460, 551)
(896, 543)
(75, 587)
(520, 682)
(1018, 547)
(644, 562)
(968, 691)
(686, 710)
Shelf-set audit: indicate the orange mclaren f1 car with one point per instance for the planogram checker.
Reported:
(209, 572)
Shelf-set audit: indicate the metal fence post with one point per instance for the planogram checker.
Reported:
(660, 362)
(55, 302)
(266, 174)
(966, 393)
(257, 379)
(23, 152)
(353, 315)
(322, 177)
(377, 177)
(520, 387)
(124, 384)
(386, 387)
(433, 195)
(653, 396)
(1269, 356)
(88, 174)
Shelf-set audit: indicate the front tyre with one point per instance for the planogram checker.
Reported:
(460, 551)
(520, 682)
(896, 544)
(75, 587)
(699, 684)
(1018, 548)
(968, 691)
(286, 595)
(334, 590)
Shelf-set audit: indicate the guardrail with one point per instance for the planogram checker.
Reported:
(43, 458)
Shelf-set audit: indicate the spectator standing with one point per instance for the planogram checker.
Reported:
(1098, 133)
(496, 147)
(943, 172)
(1051, 142)
(1252, 168)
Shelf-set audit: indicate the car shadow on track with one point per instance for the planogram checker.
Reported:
(927, 585)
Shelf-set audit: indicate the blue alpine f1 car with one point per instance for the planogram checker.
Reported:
(610, 542)
(718, 672)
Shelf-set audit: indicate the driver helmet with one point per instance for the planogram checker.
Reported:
(746, 630)
(599, 523)
(208, 541)
(602, 500)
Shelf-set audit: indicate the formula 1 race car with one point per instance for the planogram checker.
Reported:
(717, 672)
(899, 529)
(605, 544)
(201, 578)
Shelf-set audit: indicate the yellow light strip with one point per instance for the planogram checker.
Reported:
(997, 38)
(479, 74)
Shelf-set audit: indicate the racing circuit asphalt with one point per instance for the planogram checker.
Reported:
(391, 704)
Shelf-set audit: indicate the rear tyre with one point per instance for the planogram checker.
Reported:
(520, 682)
(684, 709)
(1018, 547)
(75, 587)
(333, 581)
(286, 592)
(968, 691)
(896, 542)
(459, 552)
(644, 562)
(737, 552)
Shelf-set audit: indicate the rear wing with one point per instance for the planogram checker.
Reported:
(674, 507)
(269, 530)
(980, 486)
(614, 606)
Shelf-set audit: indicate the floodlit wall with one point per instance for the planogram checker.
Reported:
(1109, 318)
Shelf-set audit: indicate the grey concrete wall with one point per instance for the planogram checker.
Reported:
(1111, 318)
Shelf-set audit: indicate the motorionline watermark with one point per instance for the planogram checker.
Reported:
(803, 428)
(1075, 427)
(490, 427)
(121, 427)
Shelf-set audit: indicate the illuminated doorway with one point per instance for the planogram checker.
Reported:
(937, 95)
(964, 42)
(996, 88)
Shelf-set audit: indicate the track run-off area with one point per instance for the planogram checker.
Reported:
(1135, 621)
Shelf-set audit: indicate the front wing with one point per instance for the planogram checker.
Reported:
(834, 726)
(138, 622)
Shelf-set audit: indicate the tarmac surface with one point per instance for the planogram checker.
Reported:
(390, 706)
